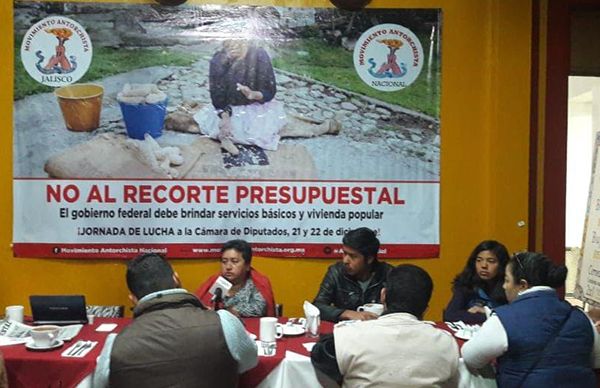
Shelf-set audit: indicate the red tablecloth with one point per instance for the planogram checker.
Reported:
(48, 369)
(32, 369)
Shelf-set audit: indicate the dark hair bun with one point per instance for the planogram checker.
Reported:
(557, 274)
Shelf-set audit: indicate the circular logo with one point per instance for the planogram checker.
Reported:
(56, 51)
(388, 57)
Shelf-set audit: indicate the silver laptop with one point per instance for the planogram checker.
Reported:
(58, 309)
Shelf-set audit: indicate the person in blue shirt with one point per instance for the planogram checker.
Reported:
(479, 285)
(538, 339)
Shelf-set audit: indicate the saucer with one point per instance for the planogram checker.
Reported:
(55, 345)
(291, 330)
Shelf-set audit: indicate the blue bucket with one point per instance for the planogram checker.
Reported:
(144, 118)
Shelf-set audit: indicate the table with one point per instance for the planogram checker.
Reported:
(289, 367)
(48, 369)
(466, 379)
(29, 369)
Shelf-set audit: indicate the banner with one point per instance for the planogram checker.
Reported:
(588, 270)
(142, 128)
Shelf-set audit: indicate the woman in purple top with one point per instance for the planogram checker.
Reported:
(479, 285)
(244, 109)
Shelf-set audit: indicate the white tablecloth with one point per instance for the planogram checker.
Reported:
(481, 379)
(87, 382)
(296, 370)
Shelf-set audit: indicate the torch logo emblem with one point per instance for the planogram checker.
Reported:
(56, 51)
(59, 63)
(388, 57)
(390, 68)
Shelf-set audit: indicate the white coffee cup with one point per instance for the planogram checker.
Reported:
(375, 308)
(270, 330)
(44, 336)
(90, 318)
(14, 313)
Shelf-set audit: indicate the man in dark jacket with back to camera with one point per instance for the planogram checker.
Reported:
(357, 279)
(173, 341)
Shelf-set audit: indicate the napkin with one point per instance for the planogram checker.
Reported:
(460, 325)
(84, 348)
(462, 330)
(106, 327)
(313, 318)
(309, 346)
(293, 356)
(6, 341)
(310, 310)
(455, 326)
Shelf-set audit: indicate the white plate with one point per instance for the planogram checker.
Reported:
(252, 336)
(55, 345)
(290, 330)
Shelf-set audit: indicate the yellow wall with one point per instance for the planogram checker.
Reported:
(484, 163)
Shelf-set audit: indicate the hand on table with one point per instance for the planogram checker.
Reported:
(357, 315)
(477, 309)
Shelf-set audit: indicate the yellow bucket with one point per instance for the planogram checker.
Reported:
(80, 105)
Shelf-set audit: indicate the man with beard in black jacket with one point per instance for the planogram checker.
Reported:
(357, 279)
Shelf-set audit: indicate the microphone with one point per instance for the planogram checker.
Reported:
(219, 288)
(217, 299)
(218, 295)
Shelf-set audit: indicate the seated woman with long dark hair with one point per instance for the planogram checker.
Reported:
(251, 294)
(537, 339)
(479, 285)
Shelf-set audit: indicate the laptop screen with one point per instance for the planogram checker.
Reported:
(58, 309)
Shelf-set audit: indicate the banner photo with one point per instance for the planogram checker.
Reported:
(146, 128)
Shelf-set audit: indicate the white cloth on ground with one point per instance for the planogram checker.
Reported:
(255, 124)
